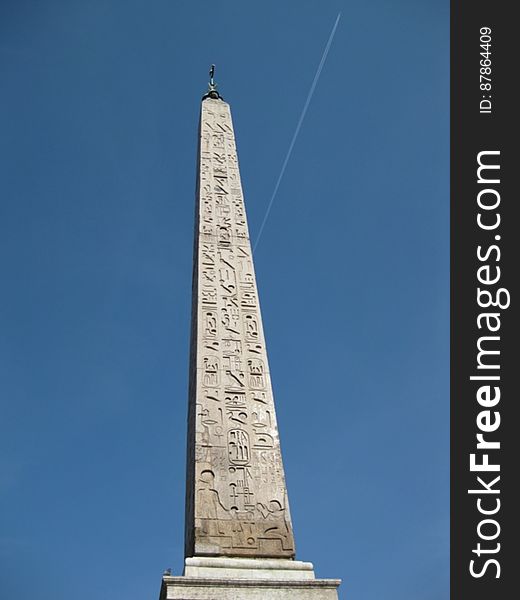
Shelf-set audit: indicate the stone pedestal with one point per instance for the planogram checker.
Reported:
(211, 578)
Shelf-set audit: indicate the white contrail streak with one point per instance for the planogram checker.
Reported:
(297, 131)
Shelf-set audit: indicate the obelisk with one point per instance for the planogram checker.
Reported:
(238, 534)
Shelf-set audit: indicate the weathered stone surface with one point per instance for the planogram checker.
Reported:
(181, 588)
(224, 578)
(236, 501)
(245, 568)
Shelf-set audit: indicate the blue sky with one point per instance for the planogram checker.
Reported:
(98, 121)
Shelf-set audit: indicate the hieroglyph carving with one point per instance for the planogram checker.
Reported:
(237, 499)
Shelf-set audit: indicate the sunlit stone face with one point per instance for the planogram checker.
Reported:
(237, 500)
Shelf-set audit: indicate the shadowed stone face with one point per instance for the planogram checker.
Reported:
(236, 497)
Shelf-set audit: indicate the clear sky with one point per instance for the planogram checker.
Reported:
(98, 121)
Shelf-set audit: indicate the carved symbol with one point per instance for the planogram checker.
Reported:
(212, 395)
(207, 210)
(274, 510)
(227, 279)
(210, 377)
(223, 209)
(224, 231)
(224, 127)
(237, 414)
(238, 446)
(256, 373)
(259, 397)
(262, 418)
(233, 495)
(251, 327)
(208, 424)
(235, 378)
(208, 255)
(254, 348)
(231, 317)
(248, 299)
(210, 323)
(235, 399)
(232, 362)
(241, 234)
(275, 525)
(220, 185)
(208, 277)
(211, 345)
(242, 476)
(209, 296)
(226, 258)
(206, 230)
(263, 440)
(262, 422)
(231, 347)
(239, 211)
(218, 141)
(209, 505)
(224, 235)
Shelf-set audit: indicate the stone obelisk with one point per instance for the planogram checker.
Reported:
(238, 537)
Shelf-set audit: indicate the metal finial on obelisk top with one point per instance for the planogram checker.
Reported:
(212, 86)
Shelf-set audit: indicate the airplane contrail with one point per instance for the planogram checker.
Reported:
(297, 131)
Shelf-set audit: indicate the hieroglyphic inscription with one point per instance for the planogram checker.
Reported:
(239, 499)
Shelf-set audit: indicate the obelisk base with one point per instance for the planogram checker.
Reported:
(212, 578)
